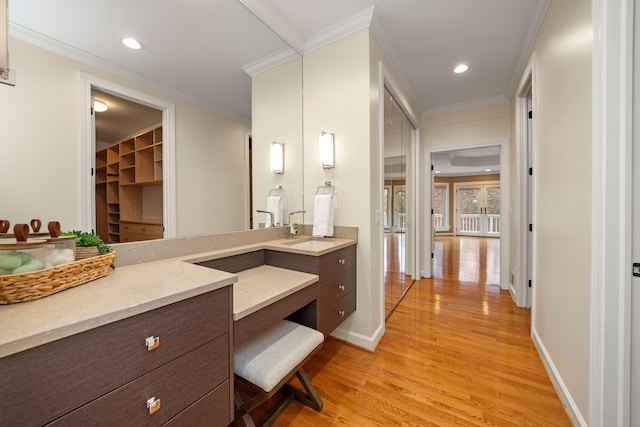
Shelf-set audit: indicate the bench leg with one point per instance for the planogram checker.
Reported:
(269, 418)
(311, 398)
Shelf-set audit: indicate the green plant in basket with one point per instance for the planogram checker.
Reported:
(86, 239)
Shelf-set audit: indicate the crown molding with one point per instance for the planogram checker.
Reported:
(342, 29)
(270, 61)
(37, 39)
(485, 102)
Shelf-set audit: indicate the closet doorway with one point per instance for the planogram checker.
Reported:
(128, 169)
(147, 160)
(398, 241)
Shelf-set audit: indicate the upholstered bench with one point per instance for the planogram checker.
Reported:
(267, 362)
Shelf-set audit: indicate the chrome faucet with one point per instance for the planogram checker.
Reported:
(270, 215)
(293, 227)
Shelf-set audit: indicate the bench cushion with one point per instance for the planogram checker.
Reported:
(269, 357)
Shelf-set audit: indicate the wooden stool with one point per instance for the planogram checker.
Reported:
(268, 362)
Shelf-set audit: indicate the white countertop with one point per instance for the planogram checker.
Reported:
(135, 289)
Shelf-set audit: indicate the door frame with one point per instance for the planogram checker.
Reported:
(505, 202)
(88, 149)
(523, 268)
(611, 150)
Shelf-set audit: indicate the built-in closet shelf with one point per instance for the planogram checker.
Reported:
(128, 182)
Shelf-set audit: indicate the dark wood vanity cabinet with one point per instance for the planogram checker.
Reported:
(336, 285)
(168, 366)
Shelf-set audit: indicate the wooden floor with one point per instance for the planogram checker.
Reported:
(456, 352)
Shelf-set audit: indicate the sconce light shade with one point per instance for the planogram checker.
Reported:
(277, 157)
(327, 150)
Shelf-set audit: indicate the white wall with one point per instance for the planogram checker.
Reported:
(562, 205)
(40, 146)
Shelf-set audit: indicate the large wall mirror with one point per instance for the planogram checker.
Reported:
(220, 160)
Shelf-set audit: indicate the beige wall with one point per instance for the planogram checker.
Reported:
(562, 188)
(462, 129)
(336, 100)
(276, 102)
(40, 143)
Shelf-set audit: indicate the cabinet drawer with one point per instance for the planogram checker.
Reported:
(131, 231)
(212, 410)
(176, 385)
(332, 315)
(45, 382)
(336, 262)
(330, 291)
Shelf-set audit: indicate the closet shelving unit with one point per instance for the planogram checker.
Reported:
(129, 188)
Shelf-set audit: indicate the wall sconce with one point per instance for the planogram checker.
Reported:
(277, 157)
(327, 150)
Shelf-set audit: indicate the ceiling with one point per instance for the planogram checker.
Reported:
(192, 46)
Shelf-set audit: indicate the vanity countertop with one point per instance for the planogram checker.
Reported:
(130, 290)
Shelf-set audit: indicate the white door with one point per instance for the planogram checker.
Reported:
(478, 209)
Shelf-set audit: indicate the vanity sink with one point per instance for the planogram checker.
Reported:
(309, 243)
(314, 244)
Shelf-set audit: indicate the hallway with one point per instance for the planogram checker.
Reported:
(456, 351)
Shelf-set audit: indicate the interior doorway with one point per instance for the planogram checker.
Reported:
(128, 169)
(165, 152)
(485, 164)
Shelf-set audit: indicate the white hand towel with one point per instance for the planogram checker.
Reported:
(274, 205)
(323, 215)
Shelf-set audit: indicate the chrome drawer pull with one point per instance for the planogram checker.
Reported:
(341, 287)
(341, 313)
(153, 405)
(341, 261)
(152, 343)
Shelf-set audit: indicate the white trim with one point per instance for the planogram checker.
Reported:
(505, 203)
(612, 58)
(559, 385)
(87, 149)
(363, 341)
(271, 61)
(342, 29)
(520, 291)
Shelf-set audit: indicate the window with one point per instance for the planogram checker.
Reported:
(441, 207)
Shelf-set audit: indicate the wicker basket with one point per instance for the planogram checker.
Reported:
(84, 252)
(30, 286)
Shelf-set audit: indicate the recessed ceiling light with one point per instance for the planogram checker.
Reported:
(131, 43)
(461, 68)
(99, 106)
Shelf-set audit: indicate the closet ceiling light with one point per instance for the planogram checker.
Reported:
(487, 170)
(99, 106)
(461, 68)
(131, 43)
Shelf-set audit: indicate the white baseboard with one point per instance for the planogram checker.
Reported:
(559, 385)
(359, 340)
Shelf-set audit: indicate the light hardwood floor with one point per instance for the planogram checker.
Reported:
(456, 352)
